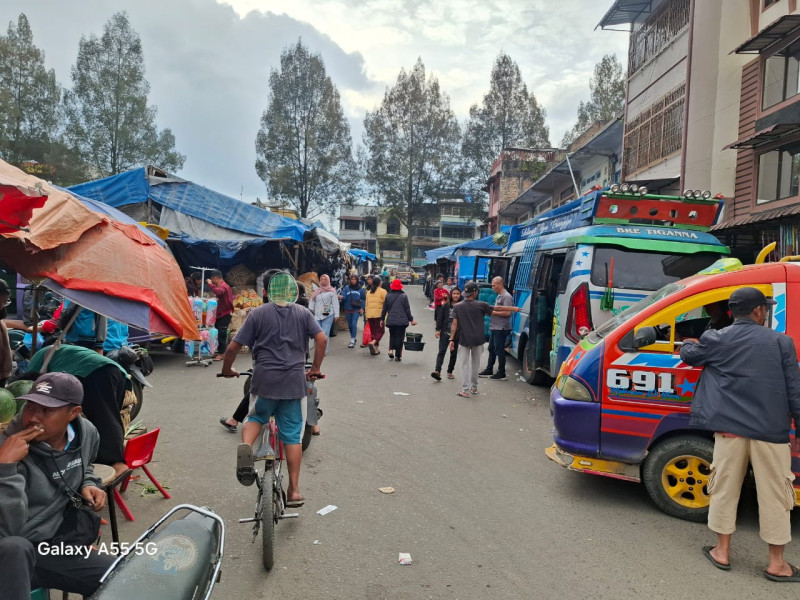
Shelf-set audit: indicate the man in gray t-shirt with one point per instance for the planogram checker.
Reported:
(499, 330)
(468, 322)
(278, 334)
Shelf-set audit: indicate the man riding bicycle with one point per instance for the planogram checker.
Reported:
(277, 334)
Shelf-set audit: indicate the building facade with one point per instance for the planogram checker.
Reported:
(358, 226)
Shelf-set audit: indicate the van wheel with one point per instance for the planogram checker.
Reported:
(676, 475)
(530, 373)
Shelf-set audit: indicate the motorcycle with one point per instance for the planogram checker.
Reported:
(181, 560)
(137, 363)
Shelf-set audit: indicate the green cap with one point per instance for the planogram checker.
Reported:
(282, 289)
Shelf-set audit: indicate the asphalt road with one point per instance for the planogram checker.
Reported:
(481, 510)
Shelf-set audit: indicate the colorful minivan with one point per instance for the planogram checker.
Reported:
(622, 399)
(572, 269)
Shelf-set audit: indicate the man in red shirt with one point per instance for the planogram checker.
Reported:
(224, 296)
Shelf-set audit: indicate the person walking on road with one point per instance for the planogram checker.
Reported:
(376, 296)
(397, 314)
(499, 330)
(468, 325)
(224, 296)
(353, 297)
(747, 394)
(325, 306)
(444, 326)
(278, 335)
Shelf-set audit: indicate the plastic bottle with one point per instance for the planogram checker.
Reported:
(197, 309)
(211, 313)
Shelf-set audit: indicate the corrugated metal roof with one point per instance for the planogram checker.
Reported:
(774, 32)
(623, 12)
(765, 136)
(777, 213)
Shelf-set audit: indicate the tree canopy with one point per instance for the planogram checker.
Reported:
(29, 97)
(411, 147)
(509, 116)
(607, 99)
(304, 148)
(109, 122)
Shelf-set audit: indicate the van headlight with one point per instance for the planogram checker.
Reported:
(572, 389)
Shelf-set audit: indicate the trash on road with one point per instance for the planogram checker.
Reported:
(317, 542)
(328, 509)
(386, 490)
(504, 416)
(404, 558)
(401, 394)
(359, 402)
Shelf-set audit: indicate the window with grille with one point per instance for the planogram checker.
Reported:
(656, 132)
(649, 37)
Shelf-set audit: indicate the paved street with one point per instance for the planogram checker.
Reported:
(478, 506)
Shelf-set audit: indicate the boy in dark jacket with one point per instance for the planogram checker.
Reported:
(46, 455)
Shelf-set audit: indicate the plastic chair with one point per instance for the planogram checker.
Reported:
(138, 453)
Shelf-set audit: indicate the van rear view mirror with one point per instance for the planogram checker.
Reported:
(644, 337)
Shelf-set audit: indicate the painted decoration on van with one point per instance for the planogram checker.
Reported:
(779, 311)
(639, 384)
(556, 336)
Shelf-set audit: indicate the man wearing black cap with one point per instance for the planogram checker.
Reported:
(46, 455)
(747, 394)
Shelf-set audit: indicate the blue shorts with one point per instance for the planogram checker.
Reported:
(288, 415)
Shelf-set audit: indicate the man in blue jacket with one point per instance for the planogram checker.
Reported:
(747, 395)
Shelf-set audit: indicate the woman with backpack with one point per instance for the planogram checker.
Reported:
(376, 296)
(325, 306)
(353, 298)
(397, 313)
(444, 325)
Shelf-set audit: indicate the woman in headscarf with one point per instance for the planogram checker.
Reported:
(353, 297)
(324, 304)
(398, 317)
(376, 296)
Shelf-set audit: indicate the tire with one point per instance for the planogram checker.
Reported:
(267, 517)
(307, 437)
(138, 389)
(529, 371)
(676, 474)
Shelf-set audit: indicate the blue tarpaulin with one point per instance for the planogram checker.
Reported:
(361, 255)
(193, 200)
(433, 255)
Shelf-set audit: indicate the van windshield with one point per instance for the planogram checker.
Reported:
(638, 270)
(598, 334)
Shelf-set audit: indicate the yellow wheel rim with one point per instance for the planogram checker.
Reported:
(685, 480)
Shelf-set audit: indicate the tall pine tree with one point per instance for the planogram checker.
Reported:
(411, 147)
(29, 97)
(108, 119)
(304, 147)
(607, 98)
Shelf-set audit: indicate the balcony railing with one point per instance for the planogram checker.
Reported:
(649, 38)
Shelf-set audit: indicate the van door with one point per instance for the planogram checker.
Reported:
(548, 273)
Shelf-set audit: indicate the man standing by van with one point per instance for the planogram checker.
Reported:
(747, 394)
(499, 330)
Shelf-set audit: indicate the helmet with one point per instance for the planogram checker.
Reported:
(125, 356)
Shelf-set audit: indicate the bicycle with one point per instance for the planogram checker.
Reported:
(271, 500)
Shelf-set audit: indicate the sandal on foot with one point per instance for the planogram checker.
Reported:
(707, 553)
(436, 375)
(295, 503)
(224, 422)
(372, 350)
(463, 394)
(451, 376)
(793, 578)
(245, 471)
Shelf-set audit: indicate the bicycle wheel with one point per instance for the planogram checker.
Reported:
(267, 517)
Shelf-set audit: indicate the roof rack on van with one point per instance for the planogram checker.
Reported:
(624, 205)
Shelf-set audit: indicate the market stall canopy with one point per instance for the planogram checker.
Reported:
(361, 255)
(17, 201)
(446, 252)
(106, 265)
(192, 213)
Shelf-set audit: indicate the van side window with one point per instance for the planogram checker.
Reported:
(565, 272)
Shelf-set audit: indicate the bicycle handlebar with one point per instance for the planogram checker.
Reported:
(313, 377)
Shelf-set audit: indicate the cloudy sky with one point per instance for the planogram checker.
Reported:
(208, 61)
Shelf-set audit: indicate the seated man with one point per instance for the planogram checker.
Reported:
(46, 455)
(104, 385)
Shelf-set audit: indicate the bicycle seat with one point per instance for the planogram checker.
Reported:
(265, 452)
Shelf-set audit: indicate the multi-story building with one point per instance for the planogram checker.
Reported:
(512, 173)
(711, 104)
(358, 226)
(591, 160)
